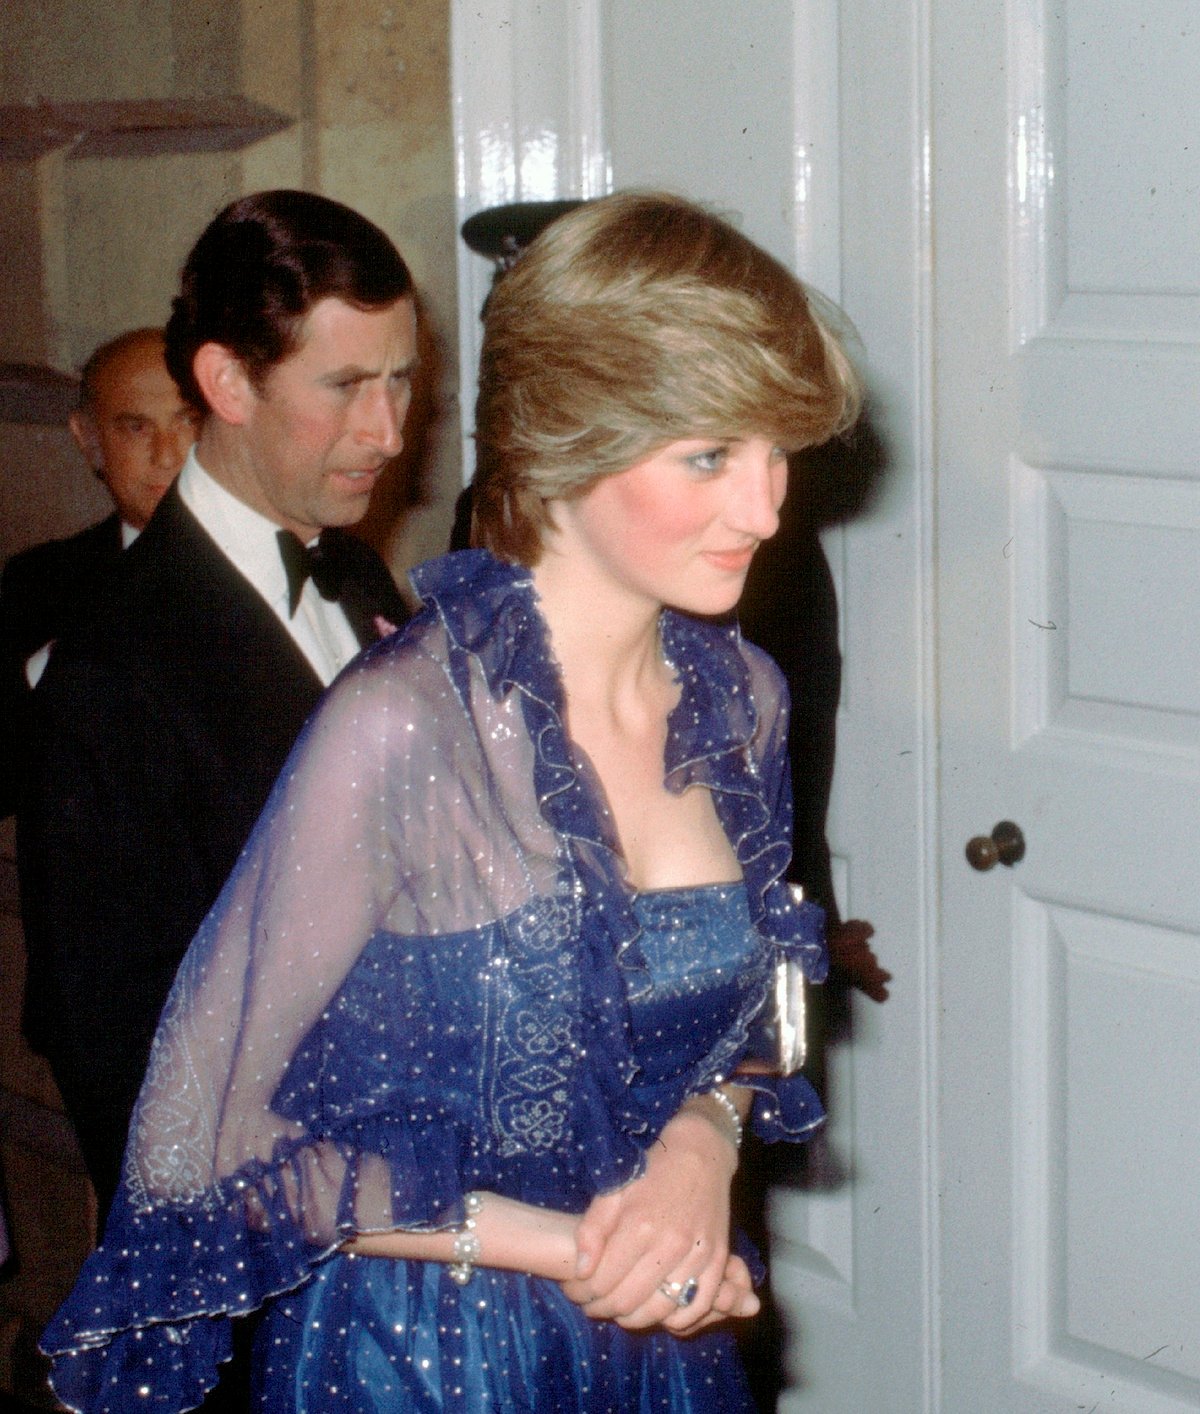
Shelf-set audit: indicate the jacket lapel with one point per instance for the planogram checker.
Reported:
(233, 649)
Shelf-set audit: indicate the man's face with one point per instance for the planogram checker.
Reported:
(327, 420)
(137, 429)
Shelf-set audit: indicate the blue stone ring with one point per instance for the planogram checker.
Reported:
(683, 1293)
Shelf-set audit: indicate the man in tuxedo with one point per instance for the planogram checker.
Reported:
(134, 430)
(169, 707)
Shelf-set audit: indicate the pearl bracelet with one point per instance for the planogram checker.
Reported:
(731, 1111)
(467, 1247)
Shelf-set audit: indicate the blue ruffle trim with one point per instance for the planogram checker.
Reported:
(144, 1293)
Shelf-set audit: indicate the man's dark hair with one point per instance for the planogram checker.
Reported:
(261, 265)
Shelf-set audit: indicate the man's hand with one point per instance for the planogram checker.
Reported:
(853, 962)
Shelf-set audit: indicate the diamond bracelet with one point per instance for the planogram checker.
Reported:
(731, 1111)
(467, 1247)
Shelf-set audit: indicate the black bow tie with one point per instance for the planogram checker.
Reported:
(319, 560)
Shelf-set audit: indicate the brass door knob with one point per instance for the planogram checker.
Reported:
(1005, 845)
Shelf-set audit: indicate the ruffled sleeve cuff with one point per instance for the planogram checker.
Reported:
(148, 1323)
(165, 1367)
(796, 926)
(784, 1108)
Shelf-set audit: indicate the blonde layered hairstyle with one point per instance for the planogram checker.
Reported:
(632, 322)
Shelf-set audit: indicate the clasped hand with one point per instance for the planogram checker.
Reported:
(640, 1246)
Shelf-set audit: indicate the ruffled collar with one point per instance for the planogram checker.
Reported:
(489, 608)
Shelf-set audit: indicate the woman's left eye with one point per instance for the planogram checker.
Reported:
(710, 461)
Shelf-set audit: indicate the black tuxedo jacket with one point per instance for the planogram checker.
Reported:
(163, 718)
(41, 591)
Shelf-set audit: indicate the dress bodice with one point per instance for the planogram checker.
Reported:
(706, 965)
(404, 1032)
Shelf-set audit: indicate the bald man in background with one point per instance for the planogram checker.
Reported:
(134, 430)
(132, 425)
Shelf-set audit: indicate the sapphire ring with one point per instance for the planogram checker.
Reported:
(683, 1293)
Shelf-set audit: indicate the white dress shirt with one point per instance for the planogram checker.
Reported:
(248, 540)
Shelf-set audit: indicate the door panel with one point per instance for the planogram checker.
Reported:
(1066, 393)
(1104, 559)
(1105, 1256)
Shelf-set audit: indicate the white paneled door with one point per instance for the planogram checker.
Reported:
(1066, 413)
(1005, 196)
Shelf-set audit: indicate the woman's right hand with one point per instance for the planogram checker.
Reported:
(668, 1225)
(735, 1298)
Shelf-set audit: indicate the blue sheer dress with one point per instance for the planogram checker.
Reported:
(409, 1338)
(427, 975)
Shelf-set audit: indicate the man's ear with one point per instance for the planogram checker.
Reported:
(87, 439)
(223, 380)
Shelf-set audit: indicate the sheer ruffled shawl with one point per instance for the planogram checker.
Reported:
(433, 797)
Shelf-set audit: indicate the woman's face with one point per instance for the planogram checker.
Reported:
(681, 526)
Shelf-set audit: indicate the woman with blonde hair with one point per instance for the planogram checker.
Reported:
(449, 1080)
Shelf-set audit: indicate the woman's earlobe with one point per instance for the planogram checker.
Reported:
(222, 378)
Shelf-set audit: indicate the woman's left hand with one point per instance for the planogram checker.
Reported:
(642, 1246)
